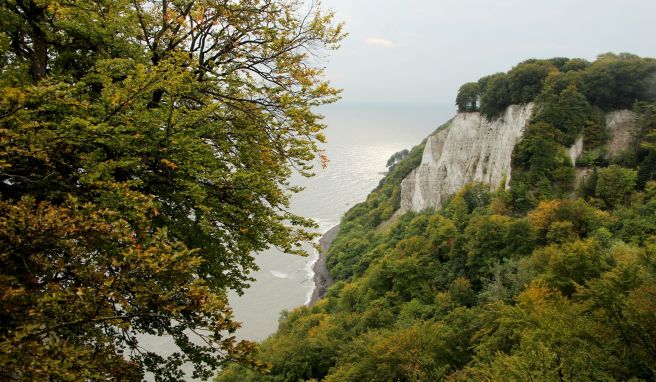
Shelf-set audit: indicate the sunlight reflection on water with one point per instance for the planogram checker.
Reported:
(361, 137)
(360, 140)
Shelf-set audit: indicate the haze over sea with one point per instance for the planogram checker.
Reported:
(361, 137)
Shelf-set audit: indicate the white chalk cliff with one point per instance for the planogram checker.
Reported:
(620, 125)
(469, 149)
(473, 149)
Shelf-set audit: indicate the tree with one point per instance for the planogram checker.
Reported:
(623, 299)
(575, 64)
(570, 112)
(555, 341)
(495, 95)
(568, 265)
(646, 123)
(525, 81)
(486, 242)
(538, 150)
(396, 158)
(145, 153)
(616, 81)
(468, 97)
(417, 353)
(615, 184)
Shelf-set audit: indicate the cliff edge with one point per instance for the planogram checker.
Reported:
(470, 149)
(474, 149)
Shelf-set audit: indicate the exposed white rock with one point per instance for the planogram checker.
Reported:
(621, 130)
(576, 150)
(470, 149)
(473, 149)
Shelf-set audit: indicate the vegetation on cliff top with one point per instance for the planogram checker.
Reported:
(613, 81)
(542, 281)
(571, 97)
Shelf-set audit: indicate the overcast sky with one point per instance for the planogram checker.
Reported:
(423, 50)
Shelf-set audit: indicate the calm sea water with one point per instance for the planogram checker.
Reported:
(361, 137)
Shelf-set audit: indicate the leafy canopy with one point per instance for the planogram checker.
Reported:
(536, 282)
(145, 148)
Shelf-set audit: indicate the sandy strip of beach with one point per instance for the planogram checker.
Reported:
(322, 278)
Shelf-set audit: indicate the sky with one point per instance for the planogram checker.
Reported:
(421, 51)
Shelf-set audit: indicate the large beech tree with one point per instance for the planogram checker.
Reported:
(145, 151)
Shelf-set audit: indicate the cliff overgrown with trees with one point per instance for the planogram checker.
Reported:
(145, 151)
(548, 280)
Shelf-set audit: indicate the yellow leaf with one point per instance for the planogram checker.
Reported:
(169, 164)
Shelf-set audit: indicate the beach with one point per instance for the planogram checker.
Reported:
(322, 278)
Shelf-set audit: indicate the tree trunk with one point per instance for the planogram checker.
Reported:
(40, 58)
(39, 43)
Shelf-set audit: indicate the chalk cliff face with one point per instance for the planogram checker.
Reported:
(469, 149)
(473, 149)
(621, 130)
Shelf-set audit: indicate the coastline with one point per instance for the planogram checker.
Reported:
(322, 278)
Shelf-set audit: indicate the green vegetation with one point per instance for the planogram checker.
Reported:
(613, 81)
(566, 290)
(145, 150)
(537, 282)
(571, 96)
(396, 158)
(361, 220)
(468, 97)
(358, 225)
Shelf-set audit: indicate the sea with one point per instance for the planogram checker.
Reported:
(360, 139)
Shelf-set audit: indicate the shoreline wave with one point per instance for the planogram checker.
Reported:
(321, 277)
(325, 227)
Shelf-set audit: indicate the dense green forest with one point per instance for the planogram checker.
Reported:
(552, 279)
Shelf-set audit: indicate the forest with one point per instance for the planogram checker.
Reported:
(146, 150)
(551, 279)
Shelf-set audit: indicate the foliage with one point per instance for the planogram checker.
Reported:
(615, 184)
(144, 155)
(75, 286)
(529, 283)
(356, 228)
(541, 167)
(500, 297)
(569, 96)
(646, 153)
(570, 113)
(551, 331)
(525, 80)
(468, 97)
(396, 158)
(616, 81)
(613, 81)
(495, 96)
(416, 353)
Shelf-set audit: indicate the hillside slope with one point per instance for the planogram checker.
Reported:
(550, 278)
